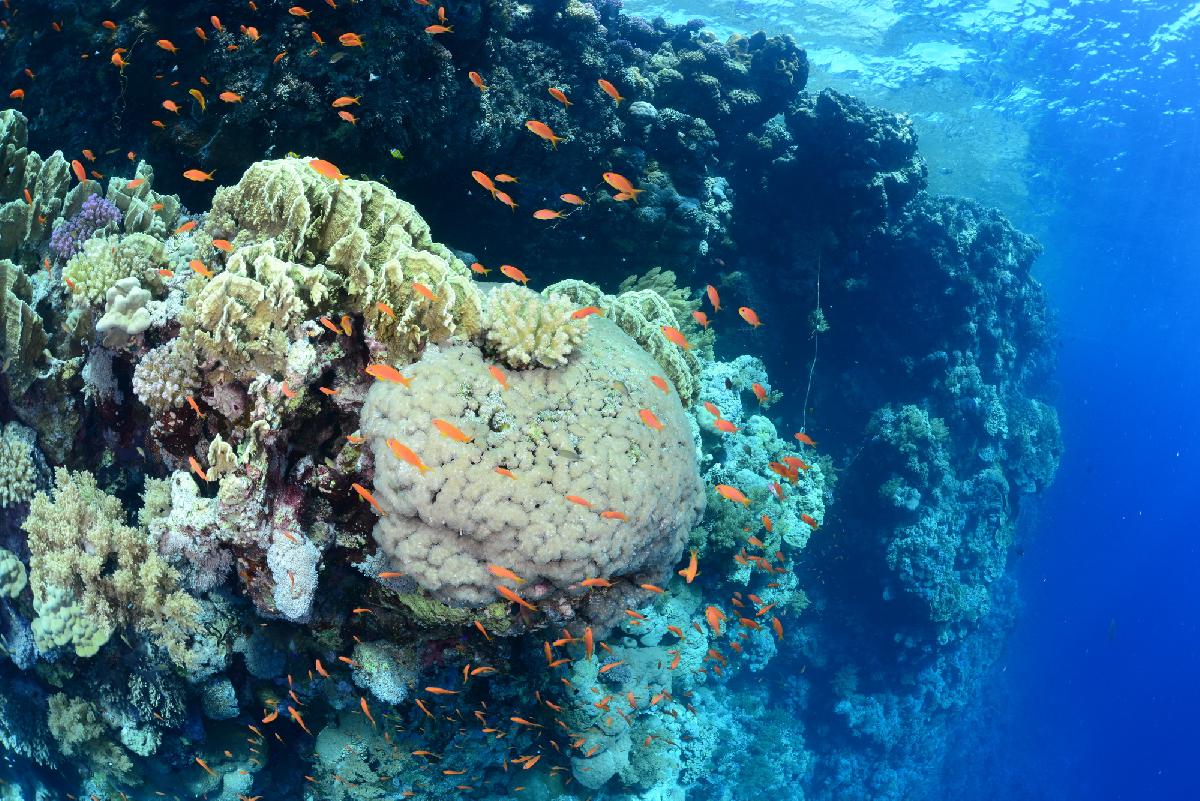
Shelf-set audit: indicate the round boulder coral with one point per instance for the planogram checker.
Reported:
(560, 478)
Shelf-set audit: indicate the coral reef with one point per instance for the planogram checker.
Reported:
(524, 329)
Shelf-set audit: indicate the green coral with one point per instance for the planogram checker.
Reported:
(86, 563)
(22, 335)
(12, 574)
(81, 732)
(104, 261)
(18, 471)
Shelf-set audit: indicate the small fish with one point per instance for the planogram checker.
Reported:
(346, 100)
(195, 407)
(573, 199)
(346, 116)
(385, 372)
(610, 90)
(390, 574)
(17, 94)
(690, 572)
(330, 325)
(621, 184)
(201, 34)
(676, 336)
(198, 175)
(196, 93)
(504, 198)
(777, 488)
(434, 30)
(725, 426)
(524, 722)
(713, 297)
(77, 168)
(197, 469)
(804, 438)
(198, 266)
(328, 391)
(484, 180)
(362, 702)
(222, 244)
(750, 316)
(505, 178)
(297, 11)
(810, 521)
(611, 666)
(508, 271)
(483, 631)
(320, 670)
(119, 62)
(477, 79)
(517, 599)
(424, 291)
(732, 493)
(405, 454)
(230, 97)
(505, 573)
(712, 409)
(207, 769)
(543, 130)
(89, 155)
(499, 375)
(778, 627)
(586, 311)
(350, 39)
(547, 214)
(386, 309)
(768, 524)
(595, 582)
(366, 495)
(440, 691)
(560, 96)
(216, 23)
(135, 183)
(701, 318)
(652, 588)
(449, 431)
(759, 392)
(326, 169)
(650, 420)
(614, 515)
(796, 463)
(504, 471)
(714, 616)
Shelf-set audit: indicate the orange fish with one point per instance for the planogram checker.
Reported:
(297, 11)
(589, 643)
(778, 627)
(652, 588)
(483, 631)
(547, 214)
(809, 520)
(404, 453)
(385, 372)
(622, 185)
(89, 155)
(714, 616)
(505, 573)
(436, 29)
(197, 469)
(198, 266)
(525, 722)
(299, 720)
(595, 582)
(504, 471)
(350, 40)
(712, 409)
(362, 702)
(195, 407)
(560, 96)
(17, 94)
(216, 22)
(777, 488)
(768, 524)
(326, 169)
(135, 183)
(440, 691)
(197, 175)
(346, 100)
(610, 90)
(586, 311)
(119, 62)
(581, 502)
(713, 297)
(423, 291)
(725, 426)
(316, 38)
(517, 599)
(328, 391)
(701, 318)
(749, 315)
(320, 669)
(508, 271)
(543, 130)
(346, 116)
(222, 244)
(386, 309)
(649, 419)
(483, 180)
(732, 493)
(574, 200)
(611, 666)
(331, 325)
(366, 495)
(796, 463)
(505, 178)
(196, 93)
(279, 57)
(204, 765)
(387, 574)
(676, 336)
(614, 515)
(449, 431)
(804, 438)
(230, 97)
(252, 33)
(661, 383)
(477, 79)
(690, 572)
(499, 375)
(77, 168)
(167, 45)
(759, 392)
(504, 198)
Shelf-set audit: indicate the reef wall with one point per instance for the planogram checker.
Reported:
(299, 498)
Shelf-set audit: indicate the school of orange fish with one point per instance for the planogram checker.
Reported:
(569, 647)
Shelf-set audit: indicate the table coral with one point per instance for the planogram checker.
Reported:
(573, 430)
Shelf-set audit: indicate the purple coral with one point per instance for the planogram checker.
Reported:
(96, 214)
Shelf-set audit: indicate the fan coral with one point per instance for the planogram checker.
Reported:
(573, 430)
(117, 579)
(525, 328)
(96, 215)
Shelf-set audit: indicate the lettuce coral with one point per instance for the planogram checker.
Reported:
(573, 430)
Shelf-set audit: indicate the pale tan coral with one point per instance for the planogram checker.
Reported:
(125, 313)
(573, 430)
(166, 375)
(81, 549)
(18, 473)
(80, 730)
(12, 574)
(104, 261)
(138, 204)
(642, 313)
(526, 329)
(22, 336)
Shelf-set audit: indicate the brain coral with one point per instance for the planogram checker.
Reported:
(573, 430)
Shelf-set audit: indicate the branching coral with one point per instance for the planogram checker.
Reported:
(116, 580)
(18, 470)
(573, 430)
(104, 261)
(526, 329)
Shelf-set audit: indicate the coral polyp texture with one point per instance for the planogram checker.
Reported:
(559, 476)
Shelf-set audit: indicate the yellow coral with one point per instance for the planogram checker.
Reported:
(524, 328)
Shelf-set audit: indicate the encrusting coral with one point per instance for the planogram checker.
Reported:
(569, 431)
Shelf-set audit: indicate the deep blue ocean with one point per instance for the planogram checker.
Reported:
(587, 400)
